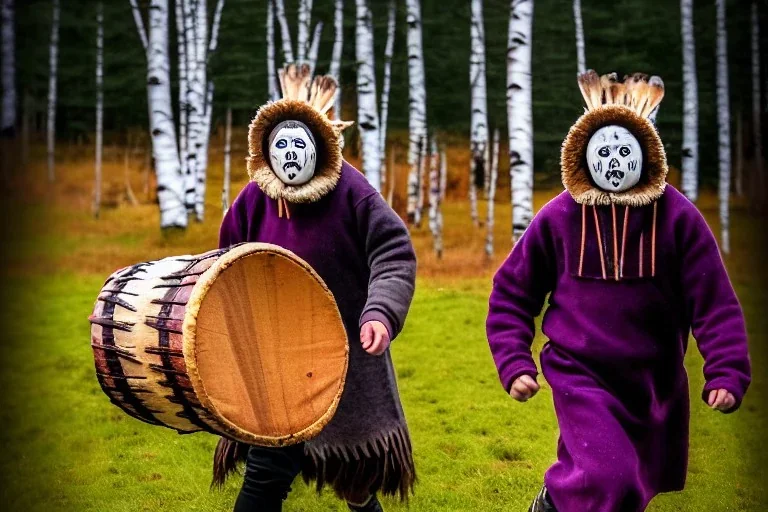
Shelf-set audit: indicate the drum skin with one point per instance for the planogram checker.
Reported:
(245, 342)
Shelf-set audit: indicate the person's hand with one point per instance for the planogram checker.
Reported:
(523, 388)
(374, 337)
(721, 400)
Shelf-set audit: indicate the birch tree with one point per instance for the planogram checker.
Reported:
(417, 102)
(581, 59)
(285, 33)
(8, 70)
(274, 94)
(690, 150)
(170, 180)
(227, 163)
(302, 40)
(388, 52)
(99, 106)
(724, 126)
(53, 65)
(338, 43)
(314, 48)
(519, 113)
(494, 173)
(479, 119)
(435, 198)
(757, 132)
(367, 111)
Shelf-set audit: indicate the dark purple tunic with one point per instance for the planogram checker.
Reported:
(624, 295)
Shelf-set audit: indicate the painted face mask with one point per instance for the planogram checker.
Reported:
(292, 153)
(615, 158)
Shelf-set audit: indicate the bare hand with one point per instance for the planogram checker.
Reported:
(374, 337)
(721, 400)
(523, 388)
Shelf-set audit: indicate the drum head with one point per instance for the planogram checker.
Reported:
(265, 346)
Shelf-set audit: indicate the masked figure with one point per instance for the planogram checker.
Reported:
(304, 197)
(630, 268)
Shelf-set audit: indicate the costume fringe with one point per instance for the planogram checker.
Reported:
(381, 465)
(227, 456)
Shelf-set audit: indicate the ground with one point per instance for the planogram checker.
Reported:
(65, 447)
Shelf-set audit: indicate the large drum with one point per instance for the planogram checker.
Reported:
(245, 342)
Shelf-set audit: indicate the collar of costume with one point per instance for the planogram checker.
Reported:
(329, 158)
(624, 104)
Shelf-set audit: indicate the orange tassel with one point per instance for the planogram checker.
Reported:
(599, 242)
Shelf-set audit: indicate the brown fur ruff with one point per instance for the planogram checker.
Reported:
(383, 465)
(227, 456)
(573, 159)
(329, 159)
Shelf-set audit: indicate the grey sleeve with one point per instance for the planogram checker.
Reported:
(391, 260)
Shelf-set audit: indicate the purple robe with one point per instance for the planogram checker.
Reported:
(626, 285)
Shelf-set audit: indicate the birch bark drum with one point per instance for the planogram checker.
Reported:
(245, 342)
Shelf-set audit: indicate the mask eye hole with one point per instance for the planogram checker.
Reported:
(281, 144)
(299, 143)
(625, 151)
(604, 151)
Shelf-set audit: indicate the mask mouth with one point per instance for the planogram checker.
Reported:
(286, 165)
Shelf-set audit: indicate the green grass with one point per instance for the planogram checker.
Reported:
(64, 447)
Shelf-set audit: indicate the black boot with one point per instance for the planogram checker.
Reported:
(542, 503)
(372, 505)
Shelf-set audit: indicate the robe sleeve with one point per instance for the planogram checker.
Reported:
(717, 321)
(392, 263)
(232, 230)
(520, 288)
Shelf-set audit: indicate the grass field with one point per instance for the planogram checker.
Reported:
(64, 447)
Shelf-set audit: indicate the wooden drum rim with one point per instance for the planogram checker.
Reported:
(189, 330)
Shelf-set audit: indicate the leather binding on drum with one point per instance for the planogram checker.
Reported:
(190, 333)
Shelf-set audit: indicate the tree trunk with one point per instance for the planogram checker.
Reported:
(757, 132)
(53, 64)
(690, 150)
(367, 111)
(492, 194)
(417, 101)
(581, 59)
(519, 115)
(227, 162)
(170, 180)
(99, 106)
(180, 6)
(314, 47)
(285, 33)
(724, 127)
(338, 42)
(202, 169)
(388, 52)
(423, 157)
(8, 71)
(274, 95)
(479, 120)
(434, 195)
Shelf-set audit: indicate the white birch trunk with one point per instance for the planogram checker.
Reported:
(338, 43)
(274, 95)
(519, 113)
(8, 70)
(170, 180)
(757, 132)
(417, 102)
(443, 173)
(479, 107)
(492, 194)
(183, 110)
(285, 33)
(724, 127)
(388, 52)
(53, 65)
(202, 168)
(227, 163)
(581, 59)
(422, 172)
(302, 38)
(434, 196)
(99, 106)
(367, 111)
(314, 47)
(690, 150)
(191, 121)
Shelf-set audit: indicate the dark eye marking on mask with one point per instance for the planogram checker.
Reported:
(299, 143)
(604, 151)
(281, 144)
(624, 151)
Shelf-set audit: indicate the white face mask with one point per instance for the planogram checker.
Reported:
(293, 156)
(615, 159)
